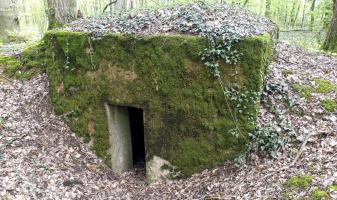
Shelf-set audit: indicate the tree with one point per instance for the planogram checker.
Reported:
(267, 13)
(303, 13)
(60, 12)
(330, 43)
(294, 19)
(120, 5)
(245, 3)
(8, 18)
(312, 20)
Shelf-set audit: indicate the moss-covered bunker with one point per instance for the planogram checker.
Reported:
(186, 120)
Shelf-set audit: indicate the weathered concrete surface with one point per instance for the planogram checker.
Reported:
(120, 137)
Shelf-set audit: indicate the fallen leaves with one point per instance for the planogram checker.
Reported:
(40, 158)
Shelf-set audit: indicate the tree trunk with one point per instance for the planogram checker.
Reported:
(327, 14)
(60, 12)
(330, 43)
(245, 3)
(292, 13)
(8, 18)
(111, 8)
(267, 12)
(312, 20)
(296, 15)
(120, 5)
(286, 18)
(303, 14)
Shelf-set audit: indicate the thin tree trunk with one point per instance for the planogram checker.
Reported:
(8, 18)
(278, 14)
(296, 15)
(245, 3)
(327, 15)
(111, 7)
(303, 14)
(292, 13)
(330, 43)
(312, 18)
(286, 17)
(60, 12)
(120, 5)
(268, 5)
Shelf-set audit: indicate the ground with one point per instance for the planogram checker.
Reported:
(40, 158)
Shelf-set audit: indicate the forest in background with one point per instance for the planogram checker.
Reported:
(301, 22)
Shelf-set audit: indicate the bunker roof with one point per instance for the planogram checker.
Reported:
(192, 19)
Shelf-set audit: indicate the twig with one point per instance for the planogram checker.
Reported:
(233, 114)
(287, 61)
(330, 159)
(3, 76)
(294, 161)
(43, 96)
(300, 30)
(66, 114)
(275, 172)
(109, 4)
(63, 115)
(17, 138)
(301, 149)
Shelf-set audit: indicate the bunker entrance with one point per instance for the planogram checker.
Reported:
(137, 136)
(126, 135)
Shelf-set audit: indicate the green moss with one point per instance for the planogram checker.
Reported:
(304, 91)
(186, 117)
(318, 194)
(10, 64)
(286, 73)
(329, 105)
(54, 24)
(324, 86)
(15, 37)
(333, 187)
(31, 62)
(299, 182)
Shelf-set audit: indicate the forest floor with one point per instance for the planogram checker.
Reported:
(40, 158)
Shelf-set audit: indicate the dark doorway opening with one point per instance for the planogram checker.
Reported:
(137, 136)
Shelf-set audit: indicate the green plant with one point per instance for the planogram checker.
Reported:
(318, 194)
(221, 48)
(299, 182)
(286, 73)
(268, 140)
(333, 187)
(304, 91)
(15, 37)
(274, 88)
(325, 86)
(329, 105)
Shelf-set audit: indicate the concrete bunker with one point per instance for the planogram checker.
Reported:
(187, 121)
